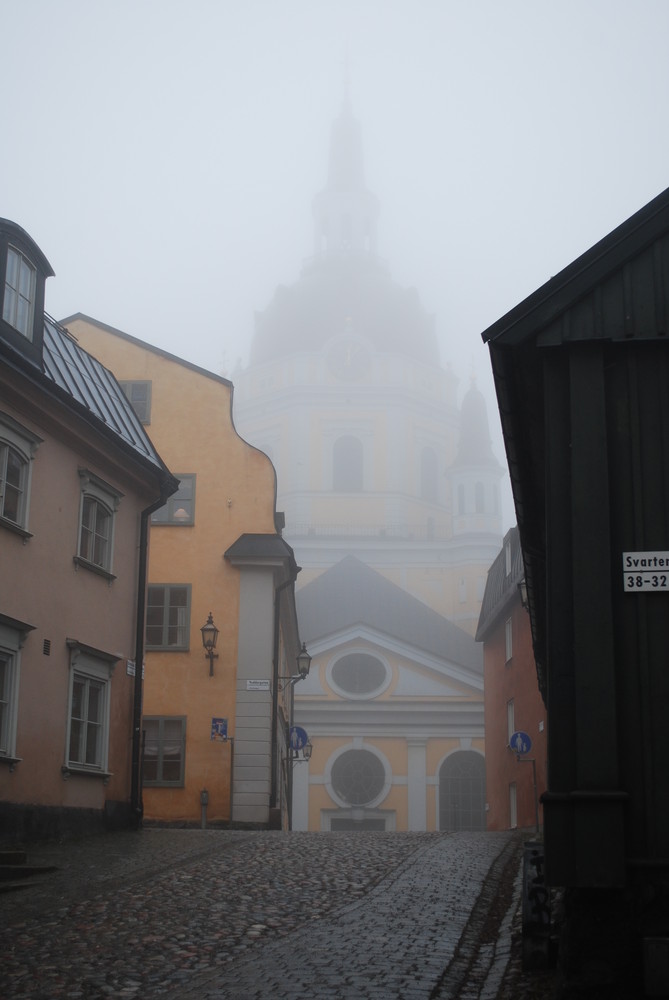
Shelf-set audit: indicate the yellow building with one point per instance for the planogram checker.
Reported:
(215, 725)
(394, 709)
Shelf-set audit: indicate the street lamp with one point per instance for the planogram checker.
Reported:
(303, 662)
(209, 637)
(303, 665)
(522, 590)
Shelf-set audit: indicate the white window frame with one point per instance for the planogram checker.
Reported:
(510, 720)
(14, 295)
(95, 666)
(11, 641)
(513, 806)
(508, 640)
(109, 498)
(13, 435)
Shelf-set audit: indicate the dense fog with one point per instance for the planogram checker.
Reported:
(165, 156)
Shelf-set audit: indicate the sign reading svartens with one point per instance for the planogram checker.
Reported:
(646, 571)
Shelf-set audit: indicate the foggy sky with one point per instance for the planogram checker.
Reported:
(164, 154)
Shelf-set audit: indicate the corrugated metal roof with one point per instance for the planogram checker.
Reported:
(501, 587)
(93, 387)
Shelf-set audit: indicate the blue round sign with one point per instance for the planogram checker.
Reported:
(298, 737)
(520, 742)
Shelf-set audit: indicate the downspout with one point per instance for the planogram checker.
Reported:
(275, 687)
(136, 804)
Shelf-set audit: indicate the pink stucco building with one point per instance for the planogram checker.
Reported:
(78, 480)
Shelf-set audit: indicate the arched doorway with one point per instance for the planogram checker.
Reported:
(462, 792)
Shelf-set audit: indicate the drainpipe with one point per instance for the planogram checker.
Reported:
(136, 804)
(275, 686)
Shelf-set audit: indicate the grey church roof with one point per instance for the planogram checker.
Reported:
(351, 593)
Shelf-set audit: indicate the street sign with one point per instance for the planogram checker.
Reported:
(257, 685)
(645, 571)
(219, 729)
(298, 737)
(520, 743)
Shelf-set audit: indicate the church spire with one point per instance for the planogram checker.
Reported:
(345, 212)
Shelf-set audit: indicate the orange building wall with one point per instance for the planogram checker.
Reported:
(516, 680)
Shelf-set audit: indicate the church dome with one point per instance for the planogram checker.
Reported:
(345, 296)
(345, 288)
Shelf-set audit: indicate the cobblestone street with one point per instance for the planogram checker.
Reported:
(219, 914)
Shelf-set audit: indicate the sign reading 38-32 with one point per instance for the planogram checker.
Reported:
(645, 571)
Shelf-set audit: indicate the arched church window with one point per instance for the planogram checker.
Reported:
(347, 465)
(479, 498)
(429, 479)
(358, 777)
(462, 792)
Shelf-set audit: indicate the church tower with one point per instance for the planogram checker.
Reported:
(390, 495)
(346, 393)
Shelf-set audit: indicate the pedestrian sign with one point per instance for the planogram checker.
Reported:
(298, 738)
(520, 743)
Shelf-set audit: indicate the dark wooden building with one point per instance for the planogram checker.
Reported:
(581, 370)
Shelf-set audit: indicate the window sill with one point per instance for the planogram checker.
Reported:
(10, 761)
(163, 784)
(78, 561)
(16, 528)
(84, 772)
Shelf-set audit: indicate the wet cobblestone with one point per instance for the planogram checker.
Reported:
(234, 914)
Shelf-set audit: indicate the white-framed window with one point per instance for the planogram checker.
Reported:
(99, 503)
(18, 308)
(180, 507)
(164, 750)
(88, 710)
(508, 639)
(168, 616)
(510, 720)
(139, 394)
(513, 806)
(12, 634)
(17, 450)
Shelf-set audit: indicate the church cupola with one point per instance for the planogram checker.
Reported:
(475, 473)
(345, 213)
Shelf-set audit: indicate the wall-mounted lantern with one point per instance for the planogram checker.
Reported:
(303, 665)
(209, 637)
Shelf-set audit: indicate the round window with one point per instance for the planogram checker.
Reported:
(358, 674)
(358, 777)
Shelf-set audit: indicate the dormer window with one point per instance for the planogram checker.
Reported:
(23, 273)
(18, 307)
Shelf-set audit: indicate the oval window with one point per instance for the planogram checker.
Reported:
(359, 674)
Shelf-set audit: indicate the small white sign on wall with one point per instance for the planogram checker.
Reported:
(258, 685)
